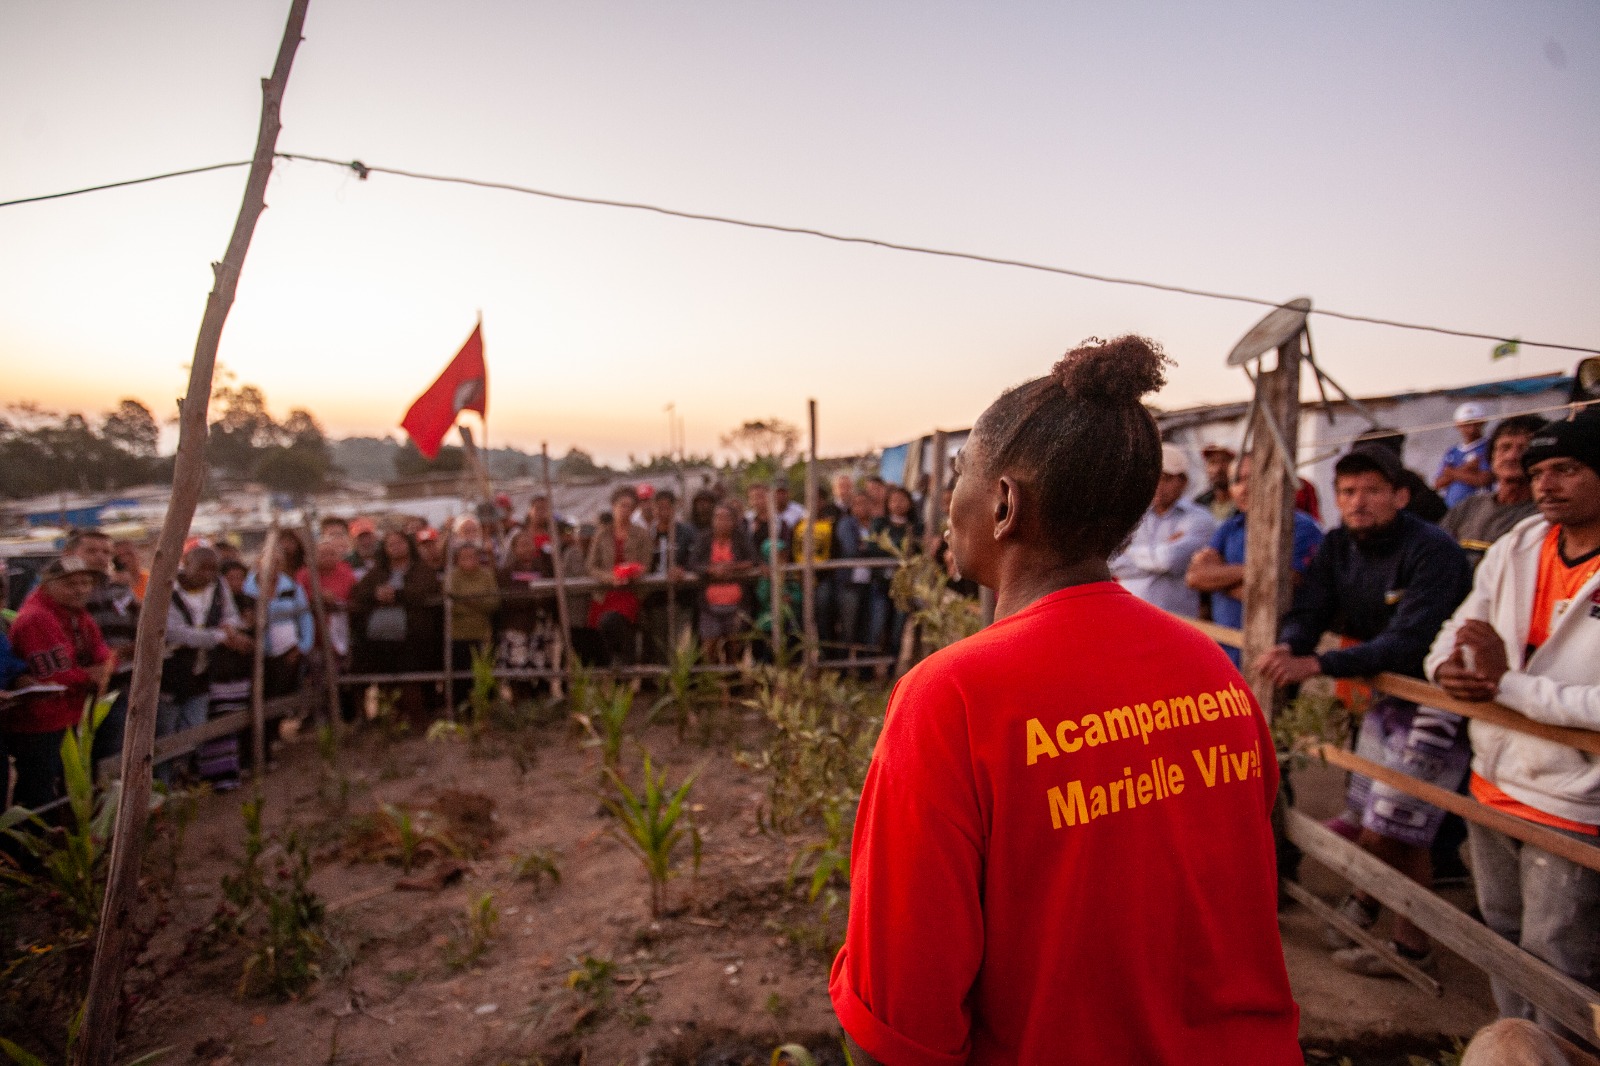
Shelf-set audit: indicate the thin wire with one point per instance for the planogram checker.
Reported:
(120, 184)
(362, 170)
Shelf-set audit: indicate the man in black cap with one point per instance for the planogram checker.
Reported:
(1384, 582)
(1529, 637)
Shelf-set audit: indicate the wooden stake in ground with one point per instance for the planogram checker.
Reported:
(266, 591)
(98, 1042)
(775, 593)
(808, 586)
(1269, 533)
(555, 560)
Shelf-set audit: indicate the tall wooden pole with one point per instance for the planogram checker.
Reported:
(447, 538)
(266, 592)
(556, 565)
(933, 506)
(775, 594)
(319, 612)
(1269, 536)
(98, 1042)
(808, 582)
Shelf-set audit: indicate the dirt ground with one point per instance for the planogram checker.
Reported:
(736, 968)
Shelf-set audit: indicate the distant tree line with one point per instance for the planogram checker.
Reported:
(43, 451)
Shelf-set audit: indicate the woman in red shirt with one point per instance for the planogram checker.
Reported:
(1063, 853)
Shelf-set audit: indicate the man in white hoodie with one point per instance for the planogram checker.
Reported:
(1529, 636)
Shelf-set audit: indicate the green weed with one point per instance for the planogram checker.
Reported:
(474, 935)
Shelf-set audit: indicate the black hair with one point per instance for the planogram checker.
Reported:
(1082, 441)
(667, 494)
(336, 521)
(625, 490)
(1374, 457)
(296, 549)
(78, 536)
(382, 564)
(230, 566)
(1527, 425)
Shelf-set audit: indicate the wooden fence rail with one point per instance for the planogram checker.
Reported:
(1572, 1003)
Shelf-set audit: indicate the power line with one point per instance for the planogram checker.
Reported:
(120, 184)
(362, 171)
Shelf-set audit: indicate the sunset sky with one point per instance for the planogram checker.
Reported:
(1433, 162)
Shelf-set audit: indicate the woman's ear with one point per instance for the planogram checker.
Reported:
(1005, 508)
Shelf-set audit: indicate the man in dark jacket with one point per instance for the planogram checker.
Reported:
(1383, 583)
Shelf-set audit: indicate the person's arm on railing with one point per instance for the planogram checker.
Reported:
(1209, 573)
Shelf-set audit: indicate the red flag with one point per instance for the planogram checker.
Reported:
(464, 386)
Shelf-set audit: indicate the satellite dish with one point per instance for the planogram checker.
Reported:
(1280, 326)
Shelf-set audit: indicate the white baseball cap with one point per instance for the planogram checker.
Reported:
(1173, 461)
(1471, 412)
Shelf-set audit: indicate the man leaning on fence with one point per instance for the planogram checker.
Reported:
(1384, 582)
(1528, 636)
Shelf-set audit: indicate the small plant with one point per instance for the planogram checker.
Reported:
(22, 1057)
(687, 693)
(391, 723)
(276, 913)
(475, 934)
(481, 696)
(649, 823)
(398, 835)
(1305, 723)
(605, 720)
(70, 858)
(538, 866)
(921, 588)
(592, 978)
(284, 962)
(794, 1053)
(824, 730)
(830, 857)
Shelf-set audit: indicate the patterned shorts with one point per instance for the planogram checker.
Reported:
(1424, 743)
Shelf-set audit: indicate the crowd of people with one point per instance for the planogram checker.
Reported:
(646, 577)
(1487, 584)
(1485, 581)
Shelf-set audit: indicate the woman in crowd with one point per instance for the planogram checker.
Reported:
(619, 555)
(290, 631)
(392, 613)
(474, 598)
(727, 560)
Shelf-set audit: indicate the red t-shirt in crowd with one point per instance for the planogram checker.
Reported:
(1063, 852)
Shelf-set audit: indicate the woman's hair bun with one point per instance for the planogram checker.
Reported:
(1121, 370)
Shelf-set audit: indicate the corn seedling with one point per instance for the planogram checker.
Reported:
(684, 692)
(605, 722)
(70, 858)
(794, 1053)
(22, 1057)
(538, 866)
(649, 823)
(475, 934)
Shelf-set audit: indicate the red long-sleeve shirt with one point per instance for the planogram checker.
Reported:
(59, 645)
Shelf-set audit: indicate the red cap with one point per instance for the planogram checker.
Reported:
(646, 491)
(362, 525)
(426, 535)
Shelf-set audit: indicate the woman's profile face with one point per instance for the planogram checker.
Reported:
(971, 533)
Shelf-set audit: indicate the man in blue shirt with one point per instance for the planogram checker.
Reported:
(1172, 530)
(1464, 470)
(1219, 568)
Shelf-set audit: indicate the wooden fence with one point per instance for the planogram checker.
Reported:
(1575, 1005)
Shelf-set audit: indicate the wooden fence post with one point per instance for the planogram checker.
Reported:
(266, 591)
(98, 1043)
(775, 596)
(933, 505)
(1269, 536)
(808, 578)
(555, 561)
